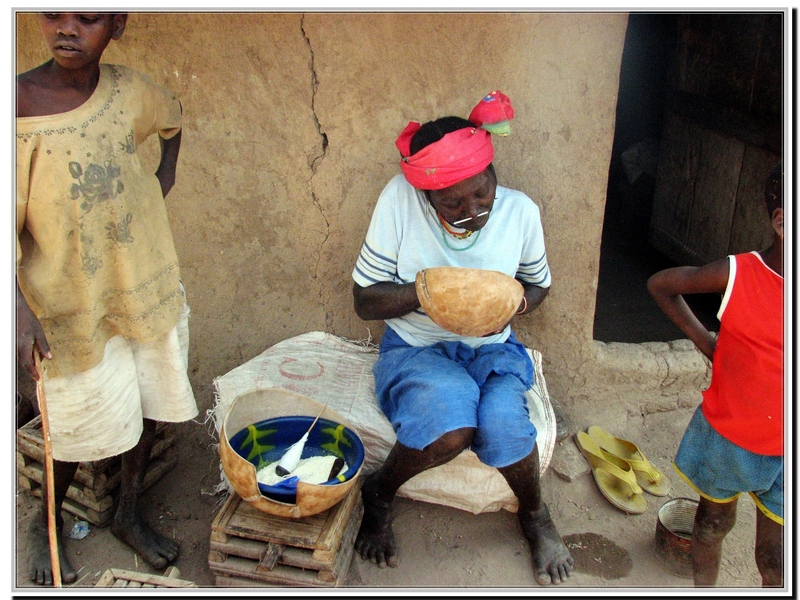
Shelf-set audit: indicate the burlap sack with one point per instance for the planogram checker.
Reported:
(338, 373)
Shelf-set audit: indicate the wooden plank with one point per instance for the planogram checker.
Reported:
(218, 533)
(35, 472)
(149, 578)
(31, 437)
(256, 524)
(119, 578)
(344, 556)
(715, 195)
(172, 571)
(101, 518)
(752, 229)
(158, 465)
(155, 470)
(347, 538)
(673, 195)
(32, 433)
(106, 579)
(92, 516)
(36, 452)
(270, 557)
(241, 567)
(254, 550)
(338, 517)
(242, 519)
(302, 558)
(32, 430)
(233, 582)
(242, 547)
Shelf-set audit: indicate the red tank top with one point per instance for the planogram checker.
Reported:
(744, 402)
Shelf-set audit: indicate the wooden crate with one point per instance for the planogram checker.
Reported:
(90, 495)
(251, 548)
(120, 578)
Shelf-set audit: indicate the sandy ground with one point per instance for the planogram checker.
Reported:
(440, 548)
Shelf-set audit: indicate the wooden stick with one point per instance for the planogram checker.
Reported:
(52, 533)
(317, 419)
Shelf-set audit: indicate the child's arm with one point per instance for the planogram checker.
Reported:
(30, 336)
(169, 162)
(667, 288)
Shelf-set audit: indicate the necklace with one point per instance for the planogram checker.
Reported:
(442, 225)
(455, 234)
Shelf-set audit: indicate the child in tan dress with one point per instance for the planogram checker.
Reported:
(99, 294)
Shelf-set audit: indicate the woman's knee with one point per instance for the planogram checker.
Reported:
(452, 443)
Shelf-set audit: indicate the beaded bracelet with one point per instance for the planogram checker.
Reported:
(524, 308)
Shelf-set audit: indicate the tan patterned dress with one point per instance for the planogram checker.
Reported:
(97, 265)
(95, 253)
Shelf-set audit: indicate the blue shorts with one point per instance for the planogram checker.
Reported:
(427, 391)
(720, 470)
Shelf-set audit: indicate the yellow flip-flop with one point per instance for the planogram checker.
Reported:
(614, 477)
(648, 476)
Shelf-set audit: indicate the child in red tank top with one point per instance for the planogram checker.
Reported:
(740, 421)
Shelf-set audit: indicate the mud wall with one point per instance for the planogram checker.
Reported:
(290, 122)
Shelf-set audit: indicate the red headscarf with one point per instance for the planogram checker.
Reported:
(459, 154)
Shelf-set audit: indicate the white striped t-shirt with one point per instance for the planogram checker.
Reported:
(405, 236)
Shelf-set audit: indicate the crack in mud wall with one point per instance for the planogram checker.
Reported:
(314, 164)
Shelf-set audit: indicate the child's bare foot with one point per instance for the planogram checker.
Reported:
(151, 546)
(41, 567)
(552, 561)
(375, 540)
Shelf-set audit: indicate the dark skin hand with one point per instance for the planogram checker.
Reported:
(169, 162)
(667, 288)
(384, 300)
(30, 337)
(534, 295)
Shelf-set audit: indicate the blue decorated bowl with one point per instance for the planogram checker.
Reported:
(266, 441)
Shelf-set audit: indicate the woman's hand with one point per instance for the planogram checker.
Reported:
(30, 337)
(531, 298)
(385, 300)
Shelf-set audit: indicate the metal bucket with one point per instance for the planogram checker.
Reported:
(674, 535)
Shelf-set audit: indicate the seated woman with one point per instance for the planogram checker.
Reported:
(444, 392)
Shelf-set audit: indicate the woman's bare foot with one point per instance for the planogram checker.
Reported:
(41, 567)
(151, 546)
(375, 539)
(552, 561)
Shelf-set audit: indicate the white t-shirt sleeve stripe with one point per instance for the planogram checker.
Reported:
(377, 261)
(537, 272)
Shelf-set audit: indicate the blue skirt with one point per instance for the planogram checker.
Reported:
(427, 391)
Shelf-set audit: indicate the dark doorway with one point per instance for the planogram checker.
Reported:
(625, 311)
